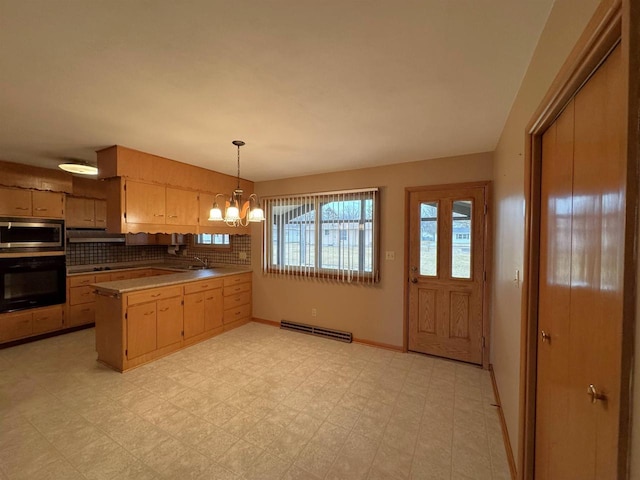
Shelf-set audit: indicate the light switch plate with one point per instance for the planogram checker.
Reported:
(390, 255)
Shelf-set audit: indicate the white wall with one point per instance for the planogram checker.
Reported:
(564, 25)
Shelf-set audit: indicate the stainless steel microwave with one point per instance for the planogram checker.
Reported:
(31, 235)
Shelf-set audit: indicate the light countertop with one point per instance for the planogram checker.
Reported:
(134, 284)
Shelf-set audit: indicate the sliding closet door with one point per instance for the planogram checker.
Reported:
(581, 273)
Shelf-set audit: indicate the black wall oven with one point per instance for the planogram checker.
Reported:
(31, 235)
(34, 281)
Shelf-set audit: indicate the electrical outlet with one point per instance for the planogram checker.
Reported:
(242, 255)
(314, 312)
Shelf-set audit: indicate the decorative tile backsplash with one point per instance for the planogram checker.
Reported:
(100, 253)
(240, 244)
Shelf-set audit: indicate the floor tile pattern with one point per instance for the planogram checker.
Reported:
(255, 403)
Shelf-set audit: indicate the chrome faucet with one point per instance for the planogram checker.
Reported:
(205, 262)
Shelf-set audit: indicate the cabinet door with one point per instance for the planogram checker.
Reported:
(47, 319)
(14, 201)
(81, 314)
(141, 329)
(182, 207)
(14, 326)
(169, 321)
(213, 309)
(145, 203)
(80, 212)
(48, 204)
(78, 295)
(100, 213)
(193, 314)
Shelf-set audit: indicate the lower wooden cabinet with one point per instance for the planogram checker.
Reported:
(169, 321)
(137, 327)
(17, 325)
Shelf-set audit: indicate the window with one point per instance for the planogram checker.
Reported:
(219, 240)
(327, 235)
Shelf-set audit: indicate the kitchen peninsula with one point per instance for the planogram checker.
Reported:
(141, 319)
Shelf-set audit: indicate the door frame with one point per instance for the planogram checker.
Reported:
(487, 260)
(614, 21)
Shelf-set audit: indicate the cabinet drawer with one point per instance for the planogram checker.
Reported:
(234, 301)
(235, 289)
(202, 285)
(14, 326)
(152, 295)
(238, 313)
(114, 277)
(78, 295)
(81, 314)
(82, 281)
(237, 279)
(47, 320)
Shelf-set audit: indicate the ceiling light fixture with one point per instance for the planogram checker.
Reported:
(237, 213)
(81, 168)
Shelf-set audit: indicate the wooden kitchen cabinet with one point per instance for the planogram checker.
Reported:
(31, 203)
(181, 315)
(17, 325)
(193, 314)
(86, 213)
(145, 203)
(181, 207)
(169, 321)
(141, 329)
(237, 300)
(47, 319)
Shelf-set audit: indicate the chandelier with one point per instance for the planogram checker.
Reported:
(237, 213)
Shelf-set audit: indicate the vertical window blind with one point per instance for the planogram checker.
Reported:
(331, 235)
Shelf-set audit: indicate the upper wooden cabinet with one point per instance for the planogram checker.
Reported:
(151, 194)
(80, 212)
(31, 203)
(86, 213)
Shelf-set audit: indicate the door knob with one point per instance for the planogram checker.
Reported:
(545, 336)
(414, 280)
(595, 396)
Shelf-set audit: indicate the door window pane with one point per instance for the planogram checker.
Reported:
(461, 239)
(429, 239)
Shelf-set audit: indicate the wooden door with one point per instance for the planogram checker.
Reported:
(80, 212)
(182, 207)
(169, 321)
(213, 309)
(446, 271)
(145, 203)
(47, 204)
(581, 283)
(193, 314)
(141, 329)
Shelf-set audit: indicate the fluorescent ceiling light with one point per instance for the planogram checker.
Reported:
(79, 168)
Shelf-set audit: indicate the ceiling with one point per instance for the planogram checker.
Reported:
(310, 86)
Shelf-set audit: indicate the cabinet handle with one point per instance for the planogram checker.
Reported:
(42, 318)
(209, 298)
(199, 301)
(41, 209)
(22, 208)
(85, 294)
(172, 216)
(164, 309)
(157, 215)
(155, 295)
(88, 219)
(149, 313)
(84, 310)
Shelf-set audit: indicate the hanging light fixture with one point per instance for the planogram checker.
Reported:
(237, 213)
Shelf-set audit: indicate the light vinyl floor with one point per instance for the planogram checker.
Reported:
(255, 403)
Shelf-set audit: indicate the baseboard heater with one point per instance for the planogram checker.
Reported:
(317, 331)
